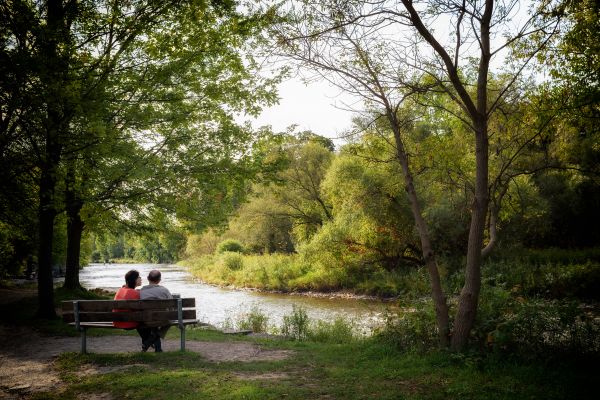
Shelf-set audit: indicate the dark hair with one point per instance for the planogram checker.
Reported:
(154, 275)
(131, 278)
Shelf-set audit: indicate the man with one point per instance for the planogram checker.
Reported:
(155, 291)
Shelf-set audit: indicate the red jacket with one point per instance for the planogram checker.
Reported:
(126, 293)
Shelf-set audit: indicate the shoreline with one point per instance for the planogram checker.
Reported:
(346, 295)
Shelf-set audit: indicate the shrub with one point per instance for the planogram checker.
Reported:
(340, 330)
(255, 320)
(230, 245)
(409, 329)
(233, 261)
(296, 325)
(547, 328)
(549, 279)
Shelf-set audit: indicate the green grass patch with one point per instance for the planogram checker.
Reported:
(361, 370)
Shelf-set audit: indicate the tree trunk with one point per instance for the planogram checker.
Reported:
(54, 72)
(469, 295)
(74, 233)
(437, 292)
(46, 213)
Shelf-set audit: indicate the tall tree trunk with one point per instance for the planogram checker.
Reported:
(437, 292)
(54, 76)
(469, 295)
(74, 231)
(46, 213)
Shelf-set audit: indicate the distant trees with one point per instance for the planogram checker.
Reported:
(287, 207)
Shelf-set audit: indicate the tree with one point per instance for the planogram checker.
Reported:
(385, 52)
(300, 194)
(179, 101)
(371, 215)
(286, 206)
(82, 58)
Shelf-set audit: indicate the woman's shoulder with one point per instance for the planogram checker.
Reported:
(126, 293)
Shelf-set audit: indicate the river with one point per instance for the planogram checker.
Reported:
(222, 306)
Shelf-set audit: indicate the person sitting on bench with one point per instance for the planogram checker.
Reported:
(128, 292)
(155, 291)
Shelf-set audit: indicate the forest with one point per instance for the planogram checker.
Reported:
(468, 184)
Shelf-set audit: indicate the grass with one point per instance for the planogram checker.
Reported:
(362, 370)
(358, 369)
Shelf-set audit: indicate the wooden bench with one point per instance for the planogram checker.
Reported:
(85, 314)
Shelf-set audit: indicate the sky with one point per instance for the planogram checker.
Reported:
(326, 110)
(316, 106)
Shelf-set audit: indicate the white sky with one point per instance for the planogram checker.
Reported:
(318, 107)
(327, 111)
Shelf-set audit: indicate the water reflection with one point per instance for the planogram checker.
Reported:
(216, 305)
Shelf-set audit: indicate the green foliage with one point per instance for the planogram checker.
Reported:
(232, 260)
(262, 224)
(546, 329)
(271, 272)
(340, 330)
(255, 320)
(372, 224)
(230, 245)
(297, 324)
(410, 328)
(203, 244)
(552, 273)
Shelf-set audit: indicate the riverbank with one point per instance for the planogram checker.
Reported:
(340, 294)
(40, 361)
(289, 274)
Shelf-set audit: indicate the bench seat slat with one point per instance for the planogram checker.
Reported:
(110, 325)
(125, 316)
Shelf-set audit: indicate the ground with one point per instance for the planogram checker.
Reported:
(27, 357)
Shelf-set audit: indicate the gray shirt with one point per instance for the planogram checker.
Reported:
(153, 291)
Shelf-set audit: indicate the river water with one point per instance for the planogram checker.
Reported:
(221, 306)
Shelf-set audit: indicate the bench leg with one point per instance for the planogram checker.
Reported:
(83, 340)
(182, 336)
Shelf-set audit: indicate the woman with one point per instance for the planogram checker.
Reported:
(128, 292)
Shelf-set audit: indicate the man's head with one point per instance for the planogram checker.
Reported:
(154, 276)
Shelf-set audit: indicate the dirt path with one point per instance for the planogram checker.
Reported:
(26, 357)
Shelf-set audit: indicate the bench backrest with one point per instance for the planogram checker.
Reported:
(146, 311)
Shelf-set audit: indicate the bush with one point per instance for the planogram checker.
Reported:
(549, 279)
(233, 261)
(340, 330)
(296, 325)
(230, 245)
(542, 328)
(410, 329)
(255, 320)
